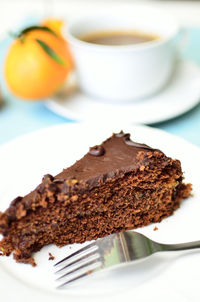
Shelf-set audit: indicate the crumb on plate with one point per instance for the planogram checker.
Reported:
(51, 257)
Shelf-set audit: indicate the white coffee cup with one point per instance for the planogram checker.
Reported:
(125, 72)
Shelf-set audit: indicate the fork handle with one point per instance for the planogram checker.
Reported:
(180, 246)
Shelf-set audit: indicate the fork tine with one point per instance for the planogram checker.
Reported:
(84, 265)
(76, 253)
(77, 277)
(90, 253)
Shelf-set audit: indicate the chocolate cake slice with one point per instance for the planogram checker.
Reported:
(116, 186)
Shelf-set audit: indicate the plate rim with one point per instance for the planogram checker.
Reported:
(88, 123)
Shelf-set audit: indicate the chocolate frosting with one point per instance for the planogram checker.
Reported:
(115, 157)
(97, 150)
(128, 141)
(118, 154)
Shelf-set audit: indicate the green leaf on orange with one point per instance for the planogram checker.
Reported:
(50, 52)
(36, 27)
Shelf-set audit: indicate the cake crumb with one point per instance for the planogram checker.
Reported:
(155, 229)
(51, 257)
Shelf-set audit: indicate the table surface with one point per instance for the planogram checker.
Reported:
(19, 117)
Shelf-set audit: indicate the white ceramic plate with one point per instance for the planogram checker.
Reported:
(163, 277)
(180, 95)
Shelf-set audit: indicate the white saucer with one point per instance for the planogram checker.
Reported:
(180, 95)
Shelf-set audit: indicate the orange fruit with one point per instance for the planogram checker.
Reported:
(37, 63)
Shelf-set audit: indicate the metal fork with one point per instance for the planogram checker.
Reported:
(111, 251)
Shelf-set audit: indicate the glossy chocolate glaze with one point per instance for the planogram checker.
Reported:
(117, 155)
(128, 141)
(97, 150)
(114, 158)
